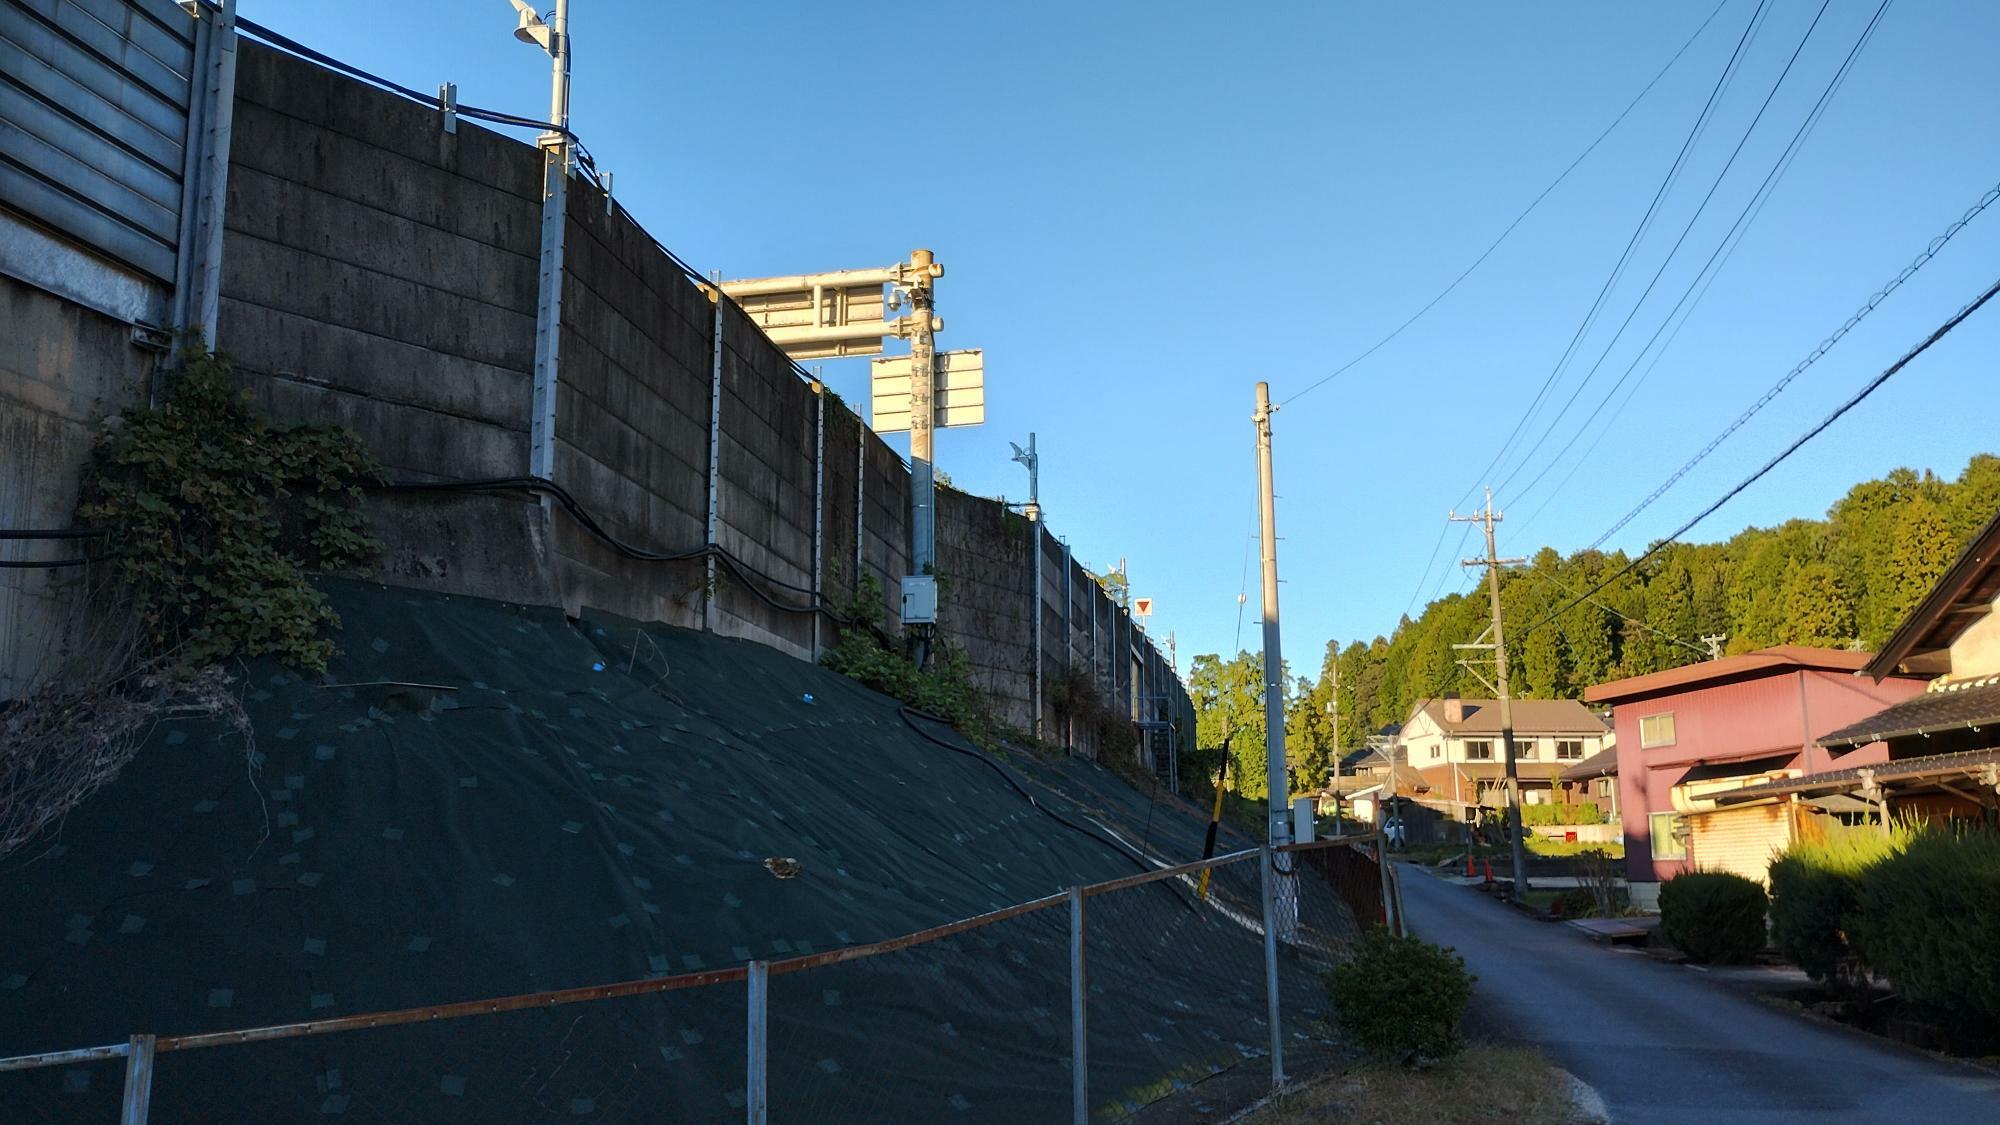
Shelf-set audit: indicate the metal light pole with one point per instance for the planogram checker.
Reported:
(557, 149)
(1033, 511)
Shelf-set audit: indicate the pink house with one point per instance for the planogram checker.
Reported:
(1689, 733)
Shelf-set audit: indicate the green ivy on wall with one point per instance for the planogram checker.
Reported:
(214, 518)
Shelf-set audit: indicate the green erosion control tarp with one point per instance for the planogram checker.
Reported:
(484, 799)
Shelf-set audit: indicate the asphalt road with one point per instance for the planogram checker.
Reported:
(1661, 1043)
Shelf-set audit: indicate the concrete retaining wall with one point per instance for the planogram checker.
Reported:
(381, 273)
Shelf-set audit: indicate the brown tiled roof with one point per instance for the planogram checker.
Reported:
(1966, 762)
(1531, 716)
(1952, 707)
(1604, 763)
(1778, 658)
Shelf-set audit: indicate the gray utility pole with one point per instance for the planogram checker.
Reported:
(1714, 643)
(1280, 810)
(557, 154)
(1492, 562)
(923, 429)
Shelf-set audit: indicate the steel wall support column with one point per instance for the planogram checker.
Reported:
(860, 498)
(708, 606)
(548, 313)
(819, 505)
(1035, 606)
(557, 151)
(205, 171)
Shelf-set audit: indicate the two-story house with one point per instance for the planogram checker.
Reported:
(1455, 745)
(1690, 734)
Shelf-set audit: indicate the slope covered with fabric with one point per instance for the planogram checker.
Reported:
(485, 799)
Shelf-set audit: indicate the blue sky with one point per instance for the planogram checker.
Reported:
(1145, 208)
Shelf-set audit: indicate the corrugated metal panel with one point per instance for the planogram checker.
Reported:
(93, 119)
(1740, 840)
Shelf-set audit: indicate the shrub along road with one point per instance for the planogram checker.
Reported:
(1660, 1043)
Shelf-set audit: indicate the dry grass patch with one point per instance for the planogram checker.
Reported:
(1481, 1084)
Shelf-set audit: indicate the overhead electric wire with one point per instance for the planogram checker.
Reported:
(1631, 243)
(1625, 617)
(1518, 219)
(1854, 400)
(1675, 249)
(1444, 529)
(1882, 294)
(1730, 239)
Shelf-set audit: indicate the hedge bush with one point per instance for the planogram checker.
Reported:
(1815, 899)
(1401, 996)
(1713, 916)
(1929, 921)
(1551, 814)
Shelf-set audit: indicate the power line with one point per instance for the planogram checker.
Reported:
(1631, 243)
(1855, 400)
(1444, 529)
(1712, 266)
(1785, 164)
(1935, 245)
(1243, 586)
(1671, 252)
(1696, 649)
(1553, 184)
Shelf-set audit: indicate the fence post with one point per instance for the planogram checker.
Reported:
(1265, 859)
(756, 1087)
(1079, 1047)
(138, 1082)
(1389, 916)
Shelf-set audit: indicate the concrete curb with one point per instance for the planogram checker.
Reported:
(1589, 1103)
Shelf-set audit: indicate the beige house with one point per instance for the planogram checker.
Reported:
(1455, 745)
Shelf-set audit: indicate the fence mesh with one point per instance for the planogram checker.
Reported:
(661, 1056)
(65, 1092)
(972, 1026)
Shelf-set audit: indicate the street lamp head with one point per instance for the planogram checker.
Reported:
(531, 28)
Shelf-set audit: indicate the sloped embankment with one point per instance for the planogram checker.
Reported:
(485, 799)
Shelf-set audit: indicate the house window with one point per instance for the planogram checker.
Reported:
(1657, 730)
(1570, 749)
(1669, 832)
(1604, 785)
(1480, 750)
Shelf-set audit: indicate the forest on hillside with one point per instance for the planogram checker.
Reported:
(1844, 581)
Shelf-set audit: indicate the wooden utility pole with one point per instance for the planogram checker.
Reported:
(1493, 562)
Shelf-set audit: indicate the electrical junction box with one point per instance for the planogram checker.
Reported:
(919, 599)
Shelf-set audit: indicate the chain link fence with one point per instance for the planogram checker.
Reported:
(1182, 989)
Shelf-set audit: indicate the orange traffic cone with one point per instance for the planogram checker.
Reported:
(1489, 871)
(1468, 865)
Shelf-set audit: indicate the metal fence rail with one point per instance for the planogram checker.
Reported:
(1093, 1004)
